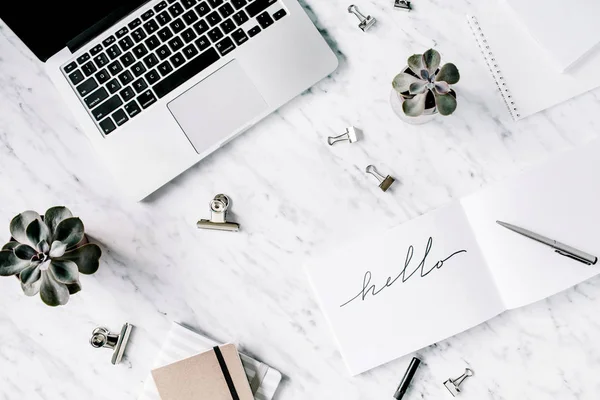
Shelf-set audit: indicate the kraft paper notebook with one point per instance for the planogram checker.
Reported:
(524, 72)
(395, 292)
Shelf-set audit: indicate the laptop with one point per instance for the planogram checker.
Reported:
(159, 85)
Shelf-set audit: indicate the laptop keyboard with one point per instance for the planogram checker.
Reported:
(154, 54)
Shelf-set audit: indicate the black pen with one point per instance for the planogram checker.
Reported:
(408, 376)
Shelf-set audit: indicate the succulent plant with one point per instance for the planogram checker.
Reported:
(48, 253)
(424, 85)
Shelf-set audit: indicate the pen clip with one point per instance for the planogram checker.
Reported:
(573, 256)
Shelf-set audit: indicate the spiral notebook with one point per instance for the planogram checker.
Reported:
(524, 72)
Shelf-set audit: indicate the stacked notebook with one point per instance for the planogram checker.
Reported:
(191, 365)
(539, 52)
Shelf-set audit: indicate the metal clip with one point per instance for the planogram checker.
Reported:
(453, 385)
(101, 337)
(351, 136)
(365, 22)
(218, 216)
(384, 181)
(402, 5)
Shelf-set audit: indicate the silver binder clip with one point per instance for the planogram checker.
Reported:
(384, 181)
(402, 5)
(218, 216)
(101, 337)
(351, 136)
(366, 23)
(453, 385)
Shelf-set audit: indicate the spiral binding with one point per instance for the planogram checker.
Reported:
(488, 55)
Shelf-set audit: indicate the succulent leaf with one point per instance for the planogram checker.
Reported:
(58, 249)
(425, 75)
(86, 257)
(403, 81)
(442, 87)
(415, 106)
(30, 274)
(431, 61)
(446, 103)
(37, 232)
(449, 74)
(10, 245)
(55, 216)
(19, 224)
(33, 288)
(70, 232)
(415, 63)
(52, 292)
(24, 252)
(64, 271)
(74, 287)
(418, 87)
(11, 264)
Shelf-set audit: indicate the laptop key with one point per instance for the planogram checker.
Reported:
(140, 50)
(96, 49)
(152, 77)
(122, 32)
(88, 68)
(279, 14)
(87, 86)
(225, 46)
(160, 6)
(138, 69)
(239, 3)
(258, 6)
(96, 98)
(190, 51)
(202, 9)
(163, 52)
(165, 68)
(127, 59)
(265, 20)
(226, 10)
(176, 10)
(113, 86)
(152, 42)
(83, 58)
(239, 36)
(228, 26)
(147, 15)
(138, 35)
(70, 67)
(107, 126)
(215, 3)
(127, 93)
(102, 76)
(188, 3)
(135, 23)
(107, 107)
(126, 43)
(190, 17)
(202, 43)
(214, 18)
(140, 85)
(125, 78)
(254, 31)
(175, 44)
(150, 60)
(177, 60)
(115, 67)
(215, 35)
(101, 60)
(186, 72)
(177, 25)
(146, 99)
(151, 27)
(120, 117)
(76, 77)
(113, 51)
(132, 109)
(188, 35)
(163, 18)
(108, 41)
(201, 27)
(165, 34)
(240, 17)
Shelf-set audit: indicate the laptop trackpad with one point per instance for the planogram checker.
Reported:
(218, 106)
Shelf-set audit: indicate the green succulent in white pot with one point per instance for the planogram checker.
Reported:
(48, 253)
(424, 87)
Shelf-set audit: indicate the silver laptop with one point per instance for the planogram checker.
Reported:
(159, 85)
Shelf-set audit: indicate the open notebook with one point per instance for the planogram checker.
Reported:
(396, 292)
(524, 72)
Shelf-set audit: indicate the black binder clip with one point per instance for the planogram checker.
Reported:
(384, 181)
(402, 5)
(218, 219)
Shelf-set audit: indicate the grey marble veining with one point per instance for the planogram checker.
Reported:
(295, 197)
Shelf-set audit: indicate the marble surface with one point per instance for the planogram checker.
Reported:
(295, 197)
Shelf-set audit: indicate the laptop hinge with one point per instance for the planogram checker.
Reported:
(89, 34)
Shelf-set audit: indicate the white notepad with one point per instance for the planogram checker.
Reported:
(521, 68)
(395, 292)
(182, 343)
(567, 30)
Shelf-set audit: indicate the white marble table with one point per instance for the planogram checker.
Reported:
(294, 196)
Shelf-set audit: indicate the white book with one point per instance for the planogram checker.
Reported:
(567, 30)
(395, 292)
(519, 65)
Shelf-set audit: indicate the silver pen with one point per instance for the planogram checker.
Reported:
(559, 247)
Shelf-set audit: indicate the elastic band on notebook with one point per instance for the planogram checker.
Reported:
(226, 374)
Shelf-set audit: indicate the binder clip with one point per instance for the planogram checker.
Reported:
(366, 23)
(384, 181)
(351, 136)
(402, 5)
(453, 385)
(101, 337)
(218, 219)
